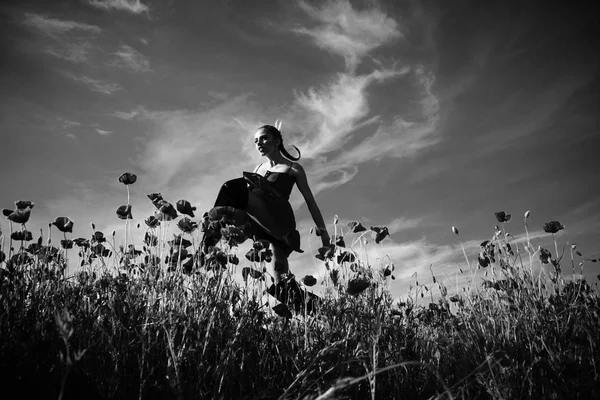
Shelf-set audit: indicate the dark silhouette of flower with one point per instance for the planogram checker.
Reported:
(155, 198)
(357, 286)
(81, 242)
(18, 216)
(339, 241)
(251, 272)
(23, 204)
(356, 227)
(23, 235)
(233, 235)
(64, 224)
(309, 280)
(483, 260)
(233, 259)
(326, 252)
(167, 211)
(380, 233)
(282, 310)
(227, 215)
(98, 237)
(545, 256)
(2, 256)
(501, 216)
(150, 240)
(184, 207)
(187, 225)
(152, 222)
(66, 244)
(178, 240)
(124, 212)
(553, 227)
(262, 255)
(127, 178)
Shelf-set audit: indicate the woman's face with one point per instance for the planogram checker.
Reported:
(265, 143)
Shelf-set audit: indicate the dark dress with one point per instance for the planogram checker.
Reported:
(272, 217)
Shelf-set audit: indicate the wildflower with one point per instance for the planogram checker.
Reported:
(326, 252)
(184, 207)
(124, 212)
(24, 204)
(179, 241)
(150, 240)
(262, 255)
(98, 237)
(356, 227)
(81, 242)
(34, 248)
(187, 225)
(553, 227)
(155, 197)
(502, 216)
(387, 271)
(483, 260)
(166, 210)
(23, 235)
(2, 256)
(233, 235)
(339, 241)
(216, 258)
(545, 255)
(282, 310)
(127, 178)
(233, 259)
(18, 216)
(381, 233)
(251, 272)
(309, 280)
(527, 214)
(227, 215)
(152, 222)
(66, 244)
(357, 286)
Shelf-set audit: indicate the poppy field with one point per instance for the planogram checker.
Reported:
(170, 317)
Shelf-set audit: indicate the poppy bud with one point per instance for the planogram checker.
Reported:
(455, 230)
(527, 213)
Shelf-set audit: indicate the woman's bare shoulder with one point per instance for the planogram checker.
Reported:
(296, 168)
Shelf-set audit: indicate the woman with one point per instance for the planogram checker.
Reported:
(264, 195)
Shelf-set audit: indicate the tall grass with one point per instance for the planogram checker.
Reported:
(165, 322)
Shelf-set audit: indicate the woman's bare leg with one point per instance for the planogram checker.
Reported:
(280, 263)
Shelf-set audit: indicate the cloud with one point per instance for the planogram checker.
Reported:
(134, 6)
(65, 43)
(103, 132)
(56, 27)
(97, 85)
(401, 224)
(349, 32)
(131, 59)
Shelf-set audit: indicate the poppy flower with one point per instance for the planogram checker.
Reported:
(150, 240)
(81, 242)
(184, 207)
(21, 258)
(2, 256)
(22, 236)
(357, 286)
(233, 235)
(309, 280)
(387, 271)
(127, 178)
(187, 225)
(187, 265)
(233, 259)
(64, 224)
(545, 255)
(339, 241)
(263, 255)
(501, 216)
(282, 310)
(356, 227)
(34, 248)
(227, 215)
(155, 197)
(381, 233)
(66, 244)
(179, 241)
(252, 273)
(166, 211)
(553, 227)
(18, 216)
(98, 237)
(23, 204)
(98, 249)
(124, 212)
(216, 258)
(345, 256)
(261, 244)
(153, 260)
(152, 222)
(326, 252)
(483, 260)
(175, 256)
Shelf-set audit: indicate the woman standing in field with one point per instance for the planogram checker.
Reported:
(264, 195)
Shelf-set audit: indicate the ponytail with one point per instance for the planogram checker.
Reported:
(277, 134)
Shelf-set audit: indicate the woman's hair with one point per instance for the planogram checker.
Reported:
(277, 135)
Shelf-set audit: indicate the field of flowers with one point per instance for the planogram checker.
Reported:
(173, 318)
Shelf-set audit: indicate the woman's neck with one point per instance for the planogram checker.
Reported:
(275, 159)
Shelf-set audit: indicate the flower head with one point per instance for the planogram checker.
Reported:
(64, 224)
(553, 227)
(124, 212)
(127, 178)
(187, 225)
(184, 207)
(501, 216)
(356, 227)
(357, 286)
(309, 280)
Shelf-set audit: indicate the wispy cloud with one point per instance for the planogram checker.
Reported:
(64, 41)
(348, 32)
(103, 132)
(55, 27)
(98, 85)
(134, 6)
(131, 59)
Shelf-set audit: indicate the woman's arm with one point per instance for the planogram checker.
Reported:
(313, 208)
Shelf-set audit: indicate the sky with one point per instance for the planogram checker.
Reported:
(415, 115)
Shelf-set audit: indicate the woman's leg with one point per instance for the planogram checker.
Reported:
(280, 263)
